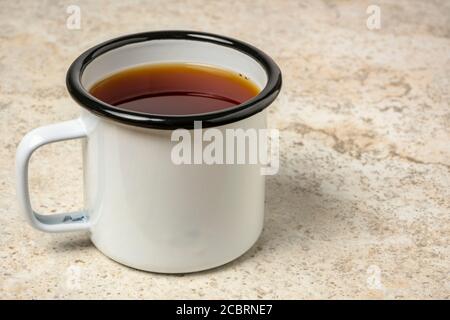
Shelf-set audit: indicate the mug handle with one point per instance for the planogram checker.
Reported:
(34, 139)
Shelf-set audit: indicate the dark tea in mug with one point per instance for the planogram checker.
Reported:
(175, 89)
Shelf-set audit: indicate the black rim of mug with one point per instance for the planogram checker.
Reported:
(147, 120)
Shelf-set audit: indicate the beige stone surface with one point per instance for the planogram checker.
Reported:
(361, 205)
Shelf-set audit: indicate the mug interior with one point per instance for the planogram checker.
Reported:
(173, 46)
(172, 51)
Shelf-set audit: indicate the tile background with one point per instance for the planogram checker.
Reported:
(361, 205)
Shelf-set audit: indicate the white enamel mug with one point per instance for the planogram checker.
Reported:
(141, 209)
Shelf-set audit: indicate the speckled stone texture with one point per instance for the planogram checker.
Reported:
(361, 205)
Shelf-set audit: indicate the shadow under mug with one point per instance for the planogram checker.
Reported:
(141, 209)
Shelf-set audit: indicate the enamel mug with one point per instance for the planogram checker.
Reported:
(140, 208)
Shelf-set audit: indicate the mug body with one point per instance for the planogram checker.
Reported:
(142, 208)
(151, 214)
